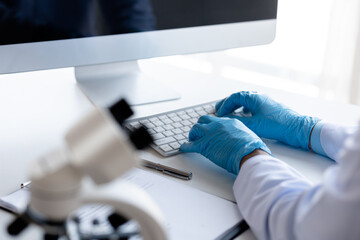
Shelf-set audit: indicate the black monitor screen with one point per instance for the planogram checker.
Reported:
(23, 21)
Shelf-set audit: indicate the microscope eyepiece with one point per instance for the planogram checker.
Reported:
(121, 111)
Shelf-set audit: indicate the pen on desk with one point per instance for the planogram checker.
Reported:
(235, 231)
(25, 184)
(185, 175)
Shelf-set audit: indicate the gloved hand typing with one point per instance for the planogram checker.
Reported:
(224, 141)
(269, 119)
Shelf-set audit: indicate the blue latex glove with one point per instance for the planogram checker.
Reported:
(268, 118)
(224, 141)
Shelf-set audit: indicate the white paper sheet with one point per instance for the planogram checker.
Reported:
(190, 213)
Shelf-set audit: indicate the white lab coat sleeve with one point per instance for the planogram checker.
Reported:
(279, 203)
(332, 137)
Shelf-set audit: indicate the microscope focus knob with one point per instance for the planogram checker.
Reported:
(17, 226)
(49, 236)
(116, 220)
(141, 138)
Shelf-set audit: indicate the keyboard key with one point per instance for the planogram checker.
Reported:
(181, 113)
(145, 121)
(168, 133)
(153, 119)
(166, 121)
(176, 119)
(151, 131)
(166, 148)
(168, 127)
(202, 113)
(186, 123)
(157, 136)
(158, 123)
(194, 115)
(209, 106)
(193, 120)
(186, 129)
(159, 129)
(177, 131)
(175, 145)
(177, 125)
(184, 116)
(182, 141)
(171, 115)
(161, 117)
(135, 124)
(149, 125)
(179, 137)
(164, 141)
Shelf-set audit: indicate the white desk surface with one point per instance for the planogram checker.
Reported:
(37, 108)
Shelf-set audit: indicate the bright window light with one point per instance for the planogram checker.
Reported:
(293, 62)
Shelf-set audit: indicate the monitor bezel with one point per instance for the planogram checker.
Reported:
(133, 46)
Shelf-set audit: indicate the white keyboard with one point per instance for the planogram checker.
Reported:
(171, 129)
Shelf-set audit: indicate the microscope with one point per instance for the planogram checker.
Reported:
(97, 150)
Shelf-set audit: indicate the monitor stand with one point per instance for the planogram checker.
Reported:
(106, 83)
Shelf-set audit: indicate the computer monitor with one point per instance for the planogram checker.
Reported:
(103, 39)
